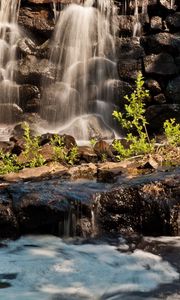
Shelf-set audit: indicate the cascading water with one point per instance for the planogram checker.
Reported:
(83, 49)
(144, 15)
(9, 34)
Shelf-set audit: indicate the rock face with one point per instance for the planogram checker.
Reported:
(153, 49)
(150, 208)
(44, 202)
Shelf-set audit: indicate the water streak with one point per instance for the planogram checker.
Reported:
(83, 49)
(9, 34)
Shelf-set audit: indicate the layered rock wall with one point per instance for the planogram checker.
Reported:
(155, 51)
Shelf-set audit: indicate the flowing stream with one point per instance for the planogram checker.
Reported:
(46, 267)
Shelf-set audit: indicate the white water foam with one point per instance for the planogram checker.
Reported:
(46, 267)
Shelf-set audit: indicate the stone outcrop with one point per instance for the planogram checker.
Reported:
(45, 200)
(155, 51)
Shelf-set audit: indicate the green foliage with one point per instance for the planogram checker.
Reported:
(57, 143)
(71, 158)
(134, 120)
(8, 163)
(103, 157)
(60, 152)
(31, 148)
(172, 132)
(93, 142)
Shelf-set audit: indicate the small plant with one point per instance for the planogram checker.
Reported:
(8, 163)
(134, 120)
(71, 158)
(57, 143)
(172, 132)
(93, 142)
(103, 157)
(60, 152)
(32, 148)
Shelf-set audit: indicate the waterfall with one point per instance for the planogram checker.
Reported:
(144, 15)
(83, 49)
(9, 34)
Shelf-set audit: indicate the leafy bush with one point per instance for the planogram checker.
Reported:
(60, 152)
(32, 148)
(172, 132)
(8, 163)
(134, 120)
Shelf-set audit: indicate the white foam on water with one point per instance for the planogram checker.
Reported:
(46, 266)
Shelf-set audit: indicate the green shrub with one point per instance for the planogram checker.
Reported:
(60, 152)
(172, 132)
(8, 163)
(133, 120)
(31, 148)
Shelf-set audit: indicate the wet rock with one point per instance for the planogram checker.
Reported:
(109, 171)
(150, 163)
(6, 146)
(129, 48)
(162, 64)
(126, 23)
(153, 86)
(161, 42)
(47, 152)
(128, 69)
(37, 174)
(45, 138)
(8, 223)
(156, 24)
(26, 47)
(86, 171)
(37, 21)
(173, 90)
(26, 93)
(10, 113)
(33, 105)
(160, 98)
(156, 115)
(173, 22)
(103, 149)
(31, 70)
(150, 208)
(87, 154)
(68, 141)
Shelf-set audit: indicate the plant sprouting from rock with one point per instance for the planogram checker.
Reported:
(61, 154)
(133, 120)
(31, 148)
(8, 163)
(172, 132)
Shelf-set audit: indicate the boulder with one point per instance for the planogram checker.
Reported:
(153, 86)
(173, 90)
(8, 223)
(161, 42)
(26, 93)
(173, 22)
(103, 149)
(128, 69)
(10, 113)
(87, 154)
(156, 24)
(156, 115)
(151, 208)
(34, 71)
(39, 22)
(160, 65)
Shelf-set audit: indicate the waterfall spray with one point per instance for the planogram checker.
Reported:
(9, 34)
(83, 49)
